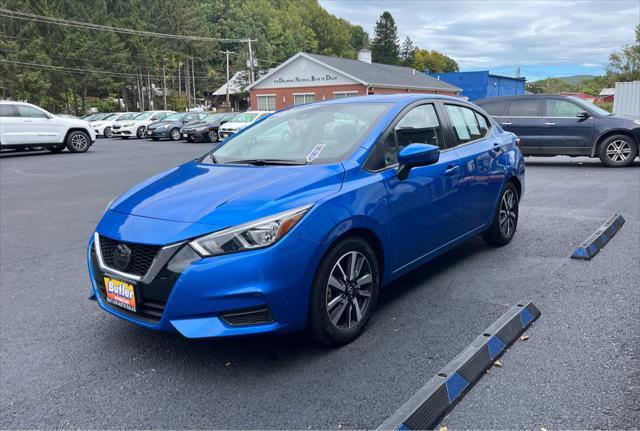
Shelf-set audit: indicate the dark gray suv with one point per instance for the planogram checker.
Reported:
(553, 125)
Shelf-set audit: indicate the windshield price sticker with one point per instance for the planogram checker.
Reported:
(315, 152)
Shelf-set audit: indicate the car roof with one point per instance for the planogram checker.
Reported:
(523, 96)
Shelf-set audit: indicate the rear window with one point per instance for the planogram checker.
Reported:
(494, 108)
(525, 108)
(7, 111)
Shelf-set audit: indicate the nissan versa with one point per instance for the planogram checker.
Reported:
(267, 234)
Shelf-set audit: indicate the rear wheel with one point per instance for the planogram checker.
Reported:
(505, 220)
(78, 142)
(344, 292)
(189, 138)
(174, 135)
(141, 132)
(107, 132)
(618, 151)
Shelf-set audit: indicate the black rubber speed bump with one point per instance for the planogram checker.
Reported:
(599, 239)
(435, 400)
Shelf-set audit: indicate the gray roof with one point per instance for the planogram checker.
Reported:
(377, 74)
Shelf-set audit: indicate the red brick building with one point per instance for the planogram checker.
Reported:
(312, 77)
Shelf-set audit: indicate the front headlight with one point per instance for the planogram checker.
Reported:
(202, 129)
(108, 205)
(257, 234)
(637, 122)
(127, 125)
(163, 126)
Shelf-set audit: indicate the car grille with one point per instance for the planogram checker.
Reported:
(116, 126)
(260, 316)
(141, 255)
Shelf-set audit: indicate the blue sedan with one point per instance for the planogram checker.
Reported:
(298, 221)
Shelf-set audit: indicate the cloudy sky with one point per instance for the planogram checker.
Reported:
(544, 38)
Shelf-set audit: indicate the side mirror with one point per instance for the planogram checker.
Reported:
(583, 115)
(49, 116)
(414, 155)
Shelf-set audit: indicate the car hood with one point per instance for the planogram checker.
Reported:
(225, 195)
(232, 125)
(162, 123)
(201, 124)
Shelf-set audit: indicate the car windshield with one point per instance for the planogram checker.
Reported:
(143, 116)
(229, 117)
(110, 116)
(245, 118)
(127, 117)
(174, 117)
(212, 118)
(309, 134)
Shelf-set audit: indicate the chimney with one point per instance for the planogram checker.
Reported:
(364, 55)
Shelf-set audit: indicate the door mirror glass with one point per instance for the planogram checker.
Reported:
(583, 114)
(414, 155)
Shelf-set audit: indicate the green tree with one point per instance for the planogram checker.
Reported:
(625, 63)
(407, 52)
(433, 61)
(385, 47)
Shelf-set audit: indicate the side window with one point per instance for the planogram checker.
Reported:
(495, 108)
(467, 124)
(562, 108)
(6, 110)
(30, 112)
(524, 108)
(419, 126)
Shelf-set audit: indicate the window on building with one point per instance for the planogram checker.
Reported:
(343, 94)
(266, 102)
(299, 99)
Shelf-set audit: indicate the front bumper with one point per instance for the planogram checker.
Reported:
(158, 133)
(224, 134)
(125, 131)
(203, 297)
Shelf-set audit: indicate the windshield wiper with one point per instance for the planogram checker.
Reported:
(262, 162)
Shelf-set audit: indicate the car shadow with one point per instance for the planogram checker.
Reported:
(15, 154)
(571, 163)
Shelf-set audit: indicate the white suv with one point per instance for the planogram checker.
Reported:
(137, 126)
(23, 125)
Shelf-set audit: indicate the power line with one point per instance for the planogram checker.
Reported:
(86, 25)
(79, 70)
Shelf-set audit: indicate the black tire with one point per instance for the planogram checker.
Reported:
(212, 136)
(174, 134)
(617, 151)
(189, 138)
(331, 313)
(78, 141)
(141, 132)
(155, 139)
(56, 148)
(124, 137)
(505, 220)
(107, 132)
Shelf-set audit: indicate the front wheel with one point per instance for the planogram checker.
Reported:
(212, 136)
(344, 292)
(141, 132)
(107, 132)
(174, 135)
(505, 219)
(78, 142)
(618, 151)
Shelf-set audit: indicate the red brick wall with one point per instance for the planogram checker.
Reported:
(284, 96)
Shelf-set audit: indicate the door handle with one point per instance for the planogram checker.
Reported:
(27, 121)
(497, 147)
(551, 123)
(506, 123)
(452, 170)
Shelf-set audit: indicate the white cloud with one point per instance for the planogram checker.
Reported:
(486, 34)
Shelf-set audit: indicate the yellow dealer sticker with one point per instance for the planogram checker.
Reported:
(120, 293)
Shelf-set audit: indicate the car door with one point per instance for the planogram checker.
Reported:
(524, 118)
(37, 126)
(10, 125)
(424, 208)
(482, 166)
(564, 132)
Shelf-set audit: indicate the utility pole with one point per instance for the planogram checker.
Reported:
(179, 84)
(187, 92)
(149, 89)
(251, 61)
(227, 103)
(164, 88)
(193, 81)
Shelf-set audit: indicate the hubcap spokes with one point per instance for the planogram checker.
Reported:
(348, 290)
(619, 150)
(508, 213)
(79, 142)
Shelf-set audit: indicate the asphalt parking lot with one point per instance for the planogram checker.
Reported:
(66, 364)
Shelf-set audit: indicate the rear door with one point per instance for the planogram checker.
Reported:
(10, 125)
(564, 132)
(482, 164)
(524, 118)
(37, 126)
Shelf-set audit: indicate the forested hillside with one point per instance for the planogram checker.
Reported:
(118, 62)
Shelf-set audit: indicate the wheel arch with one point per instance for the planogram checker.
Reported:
(76, 129)
(607, 134)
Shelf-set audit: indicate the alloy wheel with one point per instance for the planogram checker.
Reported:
(349, 289)
(508, 213)
(618, 151)
(213, 136)
(79, 142)
(175, 134)
(108, 133)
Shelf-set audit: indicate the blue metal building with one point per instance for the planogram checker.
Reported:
(482, 84)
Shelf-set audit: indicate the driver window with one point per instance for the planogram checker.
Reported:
(562, 108)
(419, 126)
(27, 111)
